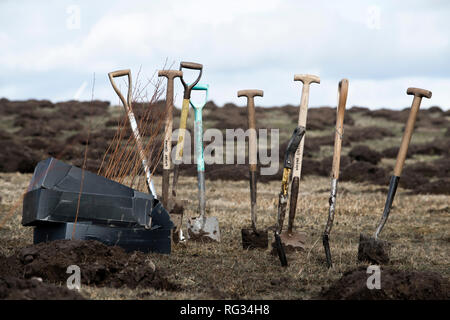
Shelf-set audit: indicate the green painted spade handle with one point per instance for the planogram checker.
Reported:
(198, 125)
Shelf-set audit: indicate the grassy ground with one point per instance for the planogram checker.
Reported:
(418, 229)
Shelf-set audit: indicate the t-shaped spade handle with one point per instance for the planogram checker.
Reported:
(307, 78)
(419, 92)
(250, 93)
(252, 143)
(170, 74)
(409, 128)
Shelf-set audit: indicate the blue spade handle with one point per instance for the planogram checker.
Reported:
(198, 126)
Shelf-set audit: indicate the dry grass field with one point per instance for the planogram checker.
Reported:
(418, 229)
(418, 226)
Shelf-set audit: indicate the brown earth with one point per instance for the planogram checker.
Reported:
(361, 171)
(32, 130)
(364, 153)
(417, 230)
(436, 147)
(395, 285)
(441, 186)
(100, 265)
(32, 289)
(42, 128)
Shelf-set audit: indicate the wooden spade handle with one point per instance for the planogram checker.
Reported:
(307, 79)
(170, 75)
(121, 73)
(191, 65)
(134, 127)
(409, 128)
(339, 133)
(168, 127)
(252, 143)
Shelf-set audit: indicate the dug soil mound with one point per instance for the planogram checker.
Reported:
(327, 165)
(395, 285)
(436, 147)
(362, 171)
(19, 289)
(100, 265)
(427, 177)
(392, 115)
(440, 186)
(324, 117)
(358, 134)
(364, 153)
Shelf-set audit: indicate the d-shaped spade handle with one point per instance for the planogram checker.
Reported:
(121, 73)
(192, 66)
(200, 87)
(134, 126)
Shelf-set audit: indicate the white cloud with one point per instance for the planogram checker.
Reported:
(241, 43)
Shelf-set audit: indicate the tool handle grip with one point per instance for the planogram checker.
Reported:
(200, 87)
(307, 78)
(250, 93)
(121, 73)
(339, 133)
(192, 66)
(419, 92)
(409, 128)
(170, 74)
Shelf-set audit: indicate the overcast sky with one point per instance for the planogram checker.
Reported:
(51, 49)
